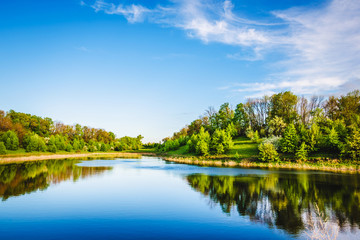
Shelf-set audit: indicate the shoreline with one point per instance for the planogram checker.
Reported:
(41, 157)
(228, 162)
(320, 166)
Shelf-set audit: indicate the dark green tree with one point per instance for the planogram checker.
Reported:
(10, 140)
(290, 140)
(2, 148)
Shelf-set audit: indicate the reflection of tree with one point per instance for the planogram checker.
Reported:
(285, 200)
(18, 179)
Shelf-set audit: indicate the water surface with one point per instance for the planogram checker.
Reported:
(149, 198)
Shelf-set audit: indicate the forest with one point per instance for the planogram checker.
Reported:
(36, 134)
(283, 125)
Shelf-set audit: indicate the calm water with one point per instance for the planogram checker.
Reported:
(150, 199)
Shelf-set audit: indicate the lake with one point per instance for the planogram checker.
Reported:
(149, 198)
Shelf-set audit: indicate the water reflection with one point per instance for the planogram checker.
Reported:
(19, 179)
(285, 201)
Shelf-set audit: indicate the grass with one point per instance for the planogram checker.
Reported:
(244, 153)
(244, 148)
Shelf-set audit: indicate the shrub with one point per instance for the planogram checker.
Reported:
(277, 126)
(290, 140)
(10, 140)
(221, 141)
(52, 148)
(268, 153)
(2, 148)
(274, 140)
(69, 148)
(353, 145)
(36, 143)
(200, 143)
(254, 136)
(302, 153)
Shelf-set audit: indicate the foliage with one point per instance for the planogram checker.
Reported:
(283, 105)
(36, 143)
(254, 136)
(353, 143)
(301, 152)
(200, 143)
(2, 148)
(221, 141)
(277, 126)
(274, 140)
(268, 153)
(290, 140)
(10, 140)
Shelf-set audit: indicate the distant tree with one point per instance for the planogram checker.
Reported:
(241, 119)
(284, 105)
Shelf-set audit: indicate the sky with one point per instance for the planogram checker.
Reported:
(151, 67)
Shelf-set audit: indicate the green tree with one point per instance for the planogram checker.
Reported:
(290, 140)
(268, 153)
(276, 126)
(221, 141)
(36, 143)
(332, 140)
(241, 118)
(302, 153)
(353, 145)
(2, 148)
(10, 140)
(200, 143)
(284, 105)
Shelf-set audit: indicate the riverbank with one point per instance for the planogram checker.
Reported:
(317, 165)
(48, 156)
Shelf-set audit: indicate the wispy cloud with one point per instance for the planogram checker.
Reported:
(320, 45)
(133, 13)
(82, 48)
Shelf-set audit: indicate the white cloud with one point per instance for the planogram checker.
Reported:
(320, 44)
(133, 13)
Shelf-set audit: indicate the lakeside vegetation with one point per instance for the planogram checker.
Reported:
(274, 129)
(22, 133)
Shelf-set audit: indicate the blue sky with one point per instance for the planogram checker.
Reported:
(150, 67)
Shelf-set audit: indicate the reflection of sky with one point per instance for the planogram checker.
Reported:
(139, 198)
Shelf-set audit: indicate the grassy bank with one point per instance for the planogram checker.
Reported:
(24, 157)
(244, 153)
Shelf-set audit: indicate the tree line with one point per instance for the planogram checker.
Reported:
(294, 126)
(34, 133)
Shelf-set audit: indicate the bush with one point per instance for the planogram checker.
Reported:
(274, 140)
(221, 141)
(277, 126)
(2, 148)
(36, 143)
(52, 148)
(302, 153)
(268, 152)
(254, 136)
(200, 143)
(290, 140)
(10, 140)
(353, 145)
